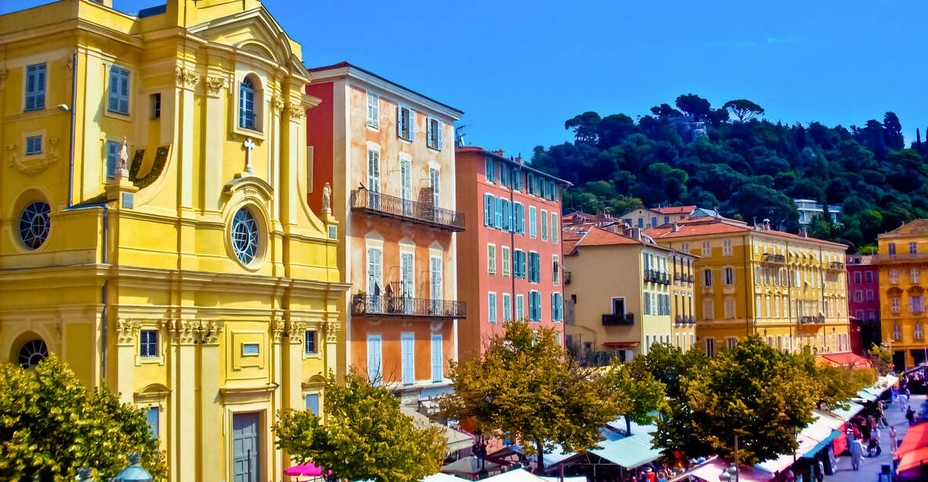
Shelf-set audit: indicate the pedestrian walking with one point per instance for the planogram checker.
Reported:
(892, 439)
(903, 401)
(820, 471)
(875, 437)
(857, 453)
(910, 416)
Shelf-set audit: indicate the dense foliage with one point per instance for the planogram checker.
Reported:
(51, 425)
(748, 167)
(752, 393)
(365, 435)
(638, 395)
(525, 388)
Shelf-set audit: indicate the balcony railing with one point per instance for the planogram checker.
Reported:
(380, 305)
(774, 258)
(685, 320)
(808, 320)
(836, 265)
(884, 257)
(399, 208)
(611, 319)
(656, 276)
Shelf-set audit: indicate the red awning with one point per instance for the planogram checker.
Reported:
(621, 344)
(845, 359)
(913, 451)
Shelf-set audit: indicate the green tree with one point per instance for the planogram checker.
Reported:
(637, 394)
(670, 365)
(752, 392)
(882, 359)
(743, 109)
(51, 425)
(694, 105)
(365, 435)
(524, 387)
(584, 126)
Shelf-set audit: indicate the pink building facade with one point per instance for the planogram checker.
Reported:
(510, 264)
(863, 292)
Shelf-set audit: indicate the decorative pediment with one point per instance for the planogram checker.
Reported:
(154, 392)
(314, 382)
(254, 32)
(250, 185)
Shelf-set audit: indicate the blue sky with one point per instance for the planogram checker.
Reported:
(520, 69)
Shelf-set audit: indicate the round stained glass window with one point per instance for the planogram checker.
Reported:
(32, 353)
(34, 223)
(245, 236)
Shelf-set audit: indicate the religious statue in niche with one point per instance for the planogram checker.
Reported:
(327, 198)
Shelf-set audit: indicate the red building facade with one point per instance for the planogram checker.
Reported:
(509, 257)
(863, 292)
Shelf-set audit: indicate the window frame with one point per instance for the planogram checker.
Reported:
(373, 110)
(119, 93)
(33, 145)
(405, 123)
(491, 259)
(146, 344)
(35, 73)
(310, 335)
(434, 138)
(491, 307)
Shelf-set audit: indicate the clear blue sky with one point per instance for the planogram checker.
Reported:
(520, 69)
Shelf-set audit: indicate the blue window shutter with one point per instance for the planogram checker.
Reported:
(441, 139)
(412, 124)
(112, 154)
(486, 209)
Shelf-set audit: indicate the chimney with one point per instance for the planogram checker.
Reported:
(676, 227)
(803, 232)
(766, 224)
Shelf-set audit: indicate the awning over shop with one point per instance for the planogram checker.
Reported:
(628, 452)
(844, 359)
(913, 451)
(517, 475)
(456, 440)
(866, 396)
(710, 471)
(440, 477)
(822, 444)
(780, 463)
(621, 344)
(848, 413)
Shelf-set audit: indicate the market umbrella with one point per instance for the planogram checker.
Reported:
(308, 469)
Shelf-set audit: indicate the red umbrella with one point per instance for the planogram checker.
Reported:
(308, 469)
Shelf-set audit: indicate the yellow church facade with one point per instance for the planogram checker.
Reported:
(154, 226)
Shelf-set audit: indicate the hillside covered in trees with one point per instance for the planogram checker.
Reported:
(732, 159)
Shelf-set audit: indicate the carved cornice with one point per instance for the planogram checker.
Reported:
(126, 331)
(214, 84)
(209, 332)
(186, 77)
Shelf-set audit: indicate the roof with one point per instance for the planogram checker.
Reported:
(919, 227)
(522, 165)
(675, 209)
(347, 69)
(597, 236)
(707, 226)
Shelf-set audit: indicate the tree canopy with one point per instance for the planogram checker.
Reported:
(365, 435)
(51, 425)
(525, 388)
(747, 167)
(637, 394)
(753, 392)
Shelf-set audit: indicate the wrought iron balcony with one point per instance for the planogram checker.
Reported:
(808, 320)
(774, 258)
(685, 320)
(399, 208)
(836, 265)
(398, 306)
(610, 319)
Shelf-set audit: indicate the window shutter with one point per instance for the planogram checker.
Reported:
(412, 124)
(113, 90)
(429, 133)
(486, 209)
(441, 130)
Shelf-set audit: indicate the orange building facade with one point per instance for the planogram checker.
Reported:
(510, 264)
(385, 167)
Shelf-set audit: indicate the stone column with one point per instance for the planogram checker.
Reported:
(127, 331)
(331, 347)
(211, 409)
(183, 409)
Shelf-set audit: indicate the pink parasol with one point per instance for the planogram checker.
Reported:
(308, 469)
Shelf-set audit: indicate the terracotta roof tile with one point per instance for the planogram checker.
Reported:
(675, 209)
(601, 237)
(919, 227)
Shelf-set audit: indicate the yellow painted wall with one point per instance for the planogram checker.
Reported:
(902, 284)
(122, 257)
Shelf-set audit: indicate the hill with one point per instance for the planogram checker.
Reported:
(731, 159)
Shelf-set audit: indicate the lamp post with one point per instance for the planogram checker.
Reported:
(134, 472)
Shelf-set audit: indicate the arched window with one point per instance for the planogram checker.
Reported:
(32, 352)
(34, 224)
(245, 236)
(247, 114)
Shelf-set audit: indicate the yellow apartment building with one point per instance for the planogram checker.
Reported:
(155, 232)
(683, 302)
(902, 258)
(620, 292)
(754, 280)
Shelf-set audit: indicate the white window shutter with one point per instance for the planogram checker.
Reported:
(412, 124)
(429, 132)
(440, 127)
